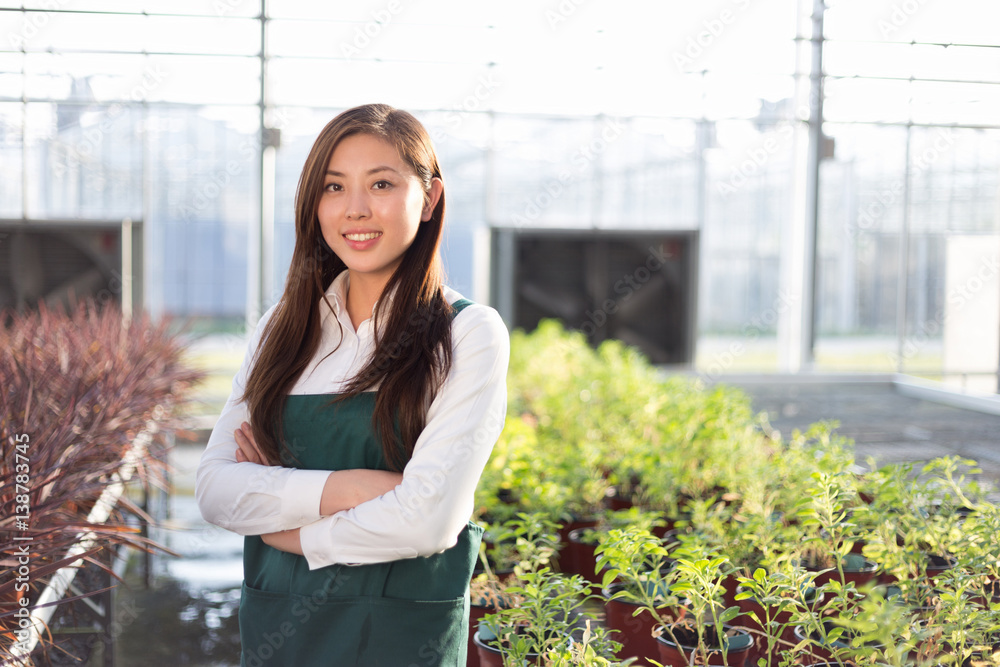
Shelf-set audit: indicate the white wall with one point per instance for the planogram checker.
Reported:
(972, 311)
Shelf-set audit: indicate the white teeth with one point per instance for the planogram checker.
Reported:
(368, 236)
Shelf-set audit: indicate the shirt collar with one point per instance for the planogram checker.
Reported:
(336, 294)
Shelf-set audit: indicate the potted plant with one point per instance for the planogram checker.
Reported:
(916, 521)
(769, 600)
(960, 627)
(705, 636)
(978, 556)
(830, 535)
(541, 627)
(750, 535)
(508, 552)
(862, 630)
(635, 566)
(681, 602)
(578, 555)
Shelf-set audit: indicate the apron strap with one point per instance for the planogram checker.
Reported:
(459, 306)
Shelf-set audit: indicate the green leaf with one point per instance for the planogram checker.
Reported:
(729, 614)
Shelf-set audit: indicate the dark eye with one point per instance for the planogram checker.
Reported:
(382, 185)
(332, 187)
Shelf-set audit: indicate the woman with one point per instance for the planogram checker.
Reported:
(368, 403)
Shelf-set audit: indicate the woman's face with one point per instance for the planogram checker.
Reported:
(371, 206)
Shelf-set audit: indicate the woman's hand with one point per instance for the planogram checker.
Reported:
(248, 451)
(286, 540)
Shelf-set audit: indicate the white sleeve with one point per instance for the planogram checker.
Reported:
(426, 512)
(248, 498)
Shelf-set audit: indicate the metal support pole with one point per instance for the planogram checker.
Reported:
(150, 273)
(702, 144)
(258, 280)
(268, 160)
(903, 277)
(597, 174)
(485, 287)
(506, 272)
(127, 246)
(25, 182)
(799, 253)
(810, 289)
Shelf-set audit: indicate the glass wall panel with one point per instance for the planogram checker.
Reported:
(203, 199)
(73, 31)
(637, 114)
(11, 160)
(84, 161)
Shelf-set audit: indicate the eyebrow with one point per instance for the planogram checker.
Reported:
(373, 170)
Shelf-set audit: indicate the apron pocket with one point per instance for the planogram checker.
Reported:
(443, 576)
(419, 633)
(284, 630)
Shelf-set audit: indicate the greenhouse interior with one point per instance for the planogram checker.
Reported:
(731, 270)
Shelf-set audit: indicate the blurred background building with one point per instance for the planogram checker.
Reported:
(795, 186)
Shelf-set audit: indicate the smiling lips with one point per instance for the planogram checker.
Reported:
(366, 236)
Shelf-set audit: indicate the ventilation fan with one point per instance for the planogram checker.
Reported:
(639, 287)
(60, 263)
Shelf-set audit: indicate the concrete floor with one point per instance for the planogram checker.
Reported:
(883, 422)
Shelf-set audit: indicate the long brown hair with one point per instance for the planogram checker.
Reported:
(412, 350)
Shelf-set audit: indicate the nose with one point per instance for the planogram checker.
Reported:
(357, 206)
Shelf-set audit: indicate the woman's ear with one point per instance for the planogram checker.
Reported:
(432, 198)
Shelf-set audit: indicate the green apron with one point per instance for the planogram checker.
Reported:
(402, 613)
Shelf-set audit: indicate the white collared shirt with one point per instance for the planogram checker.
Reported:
(421, 516)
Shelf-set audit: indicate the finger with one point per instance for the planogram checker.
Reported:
(240, 456)
(244, 446)
(248, 432)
